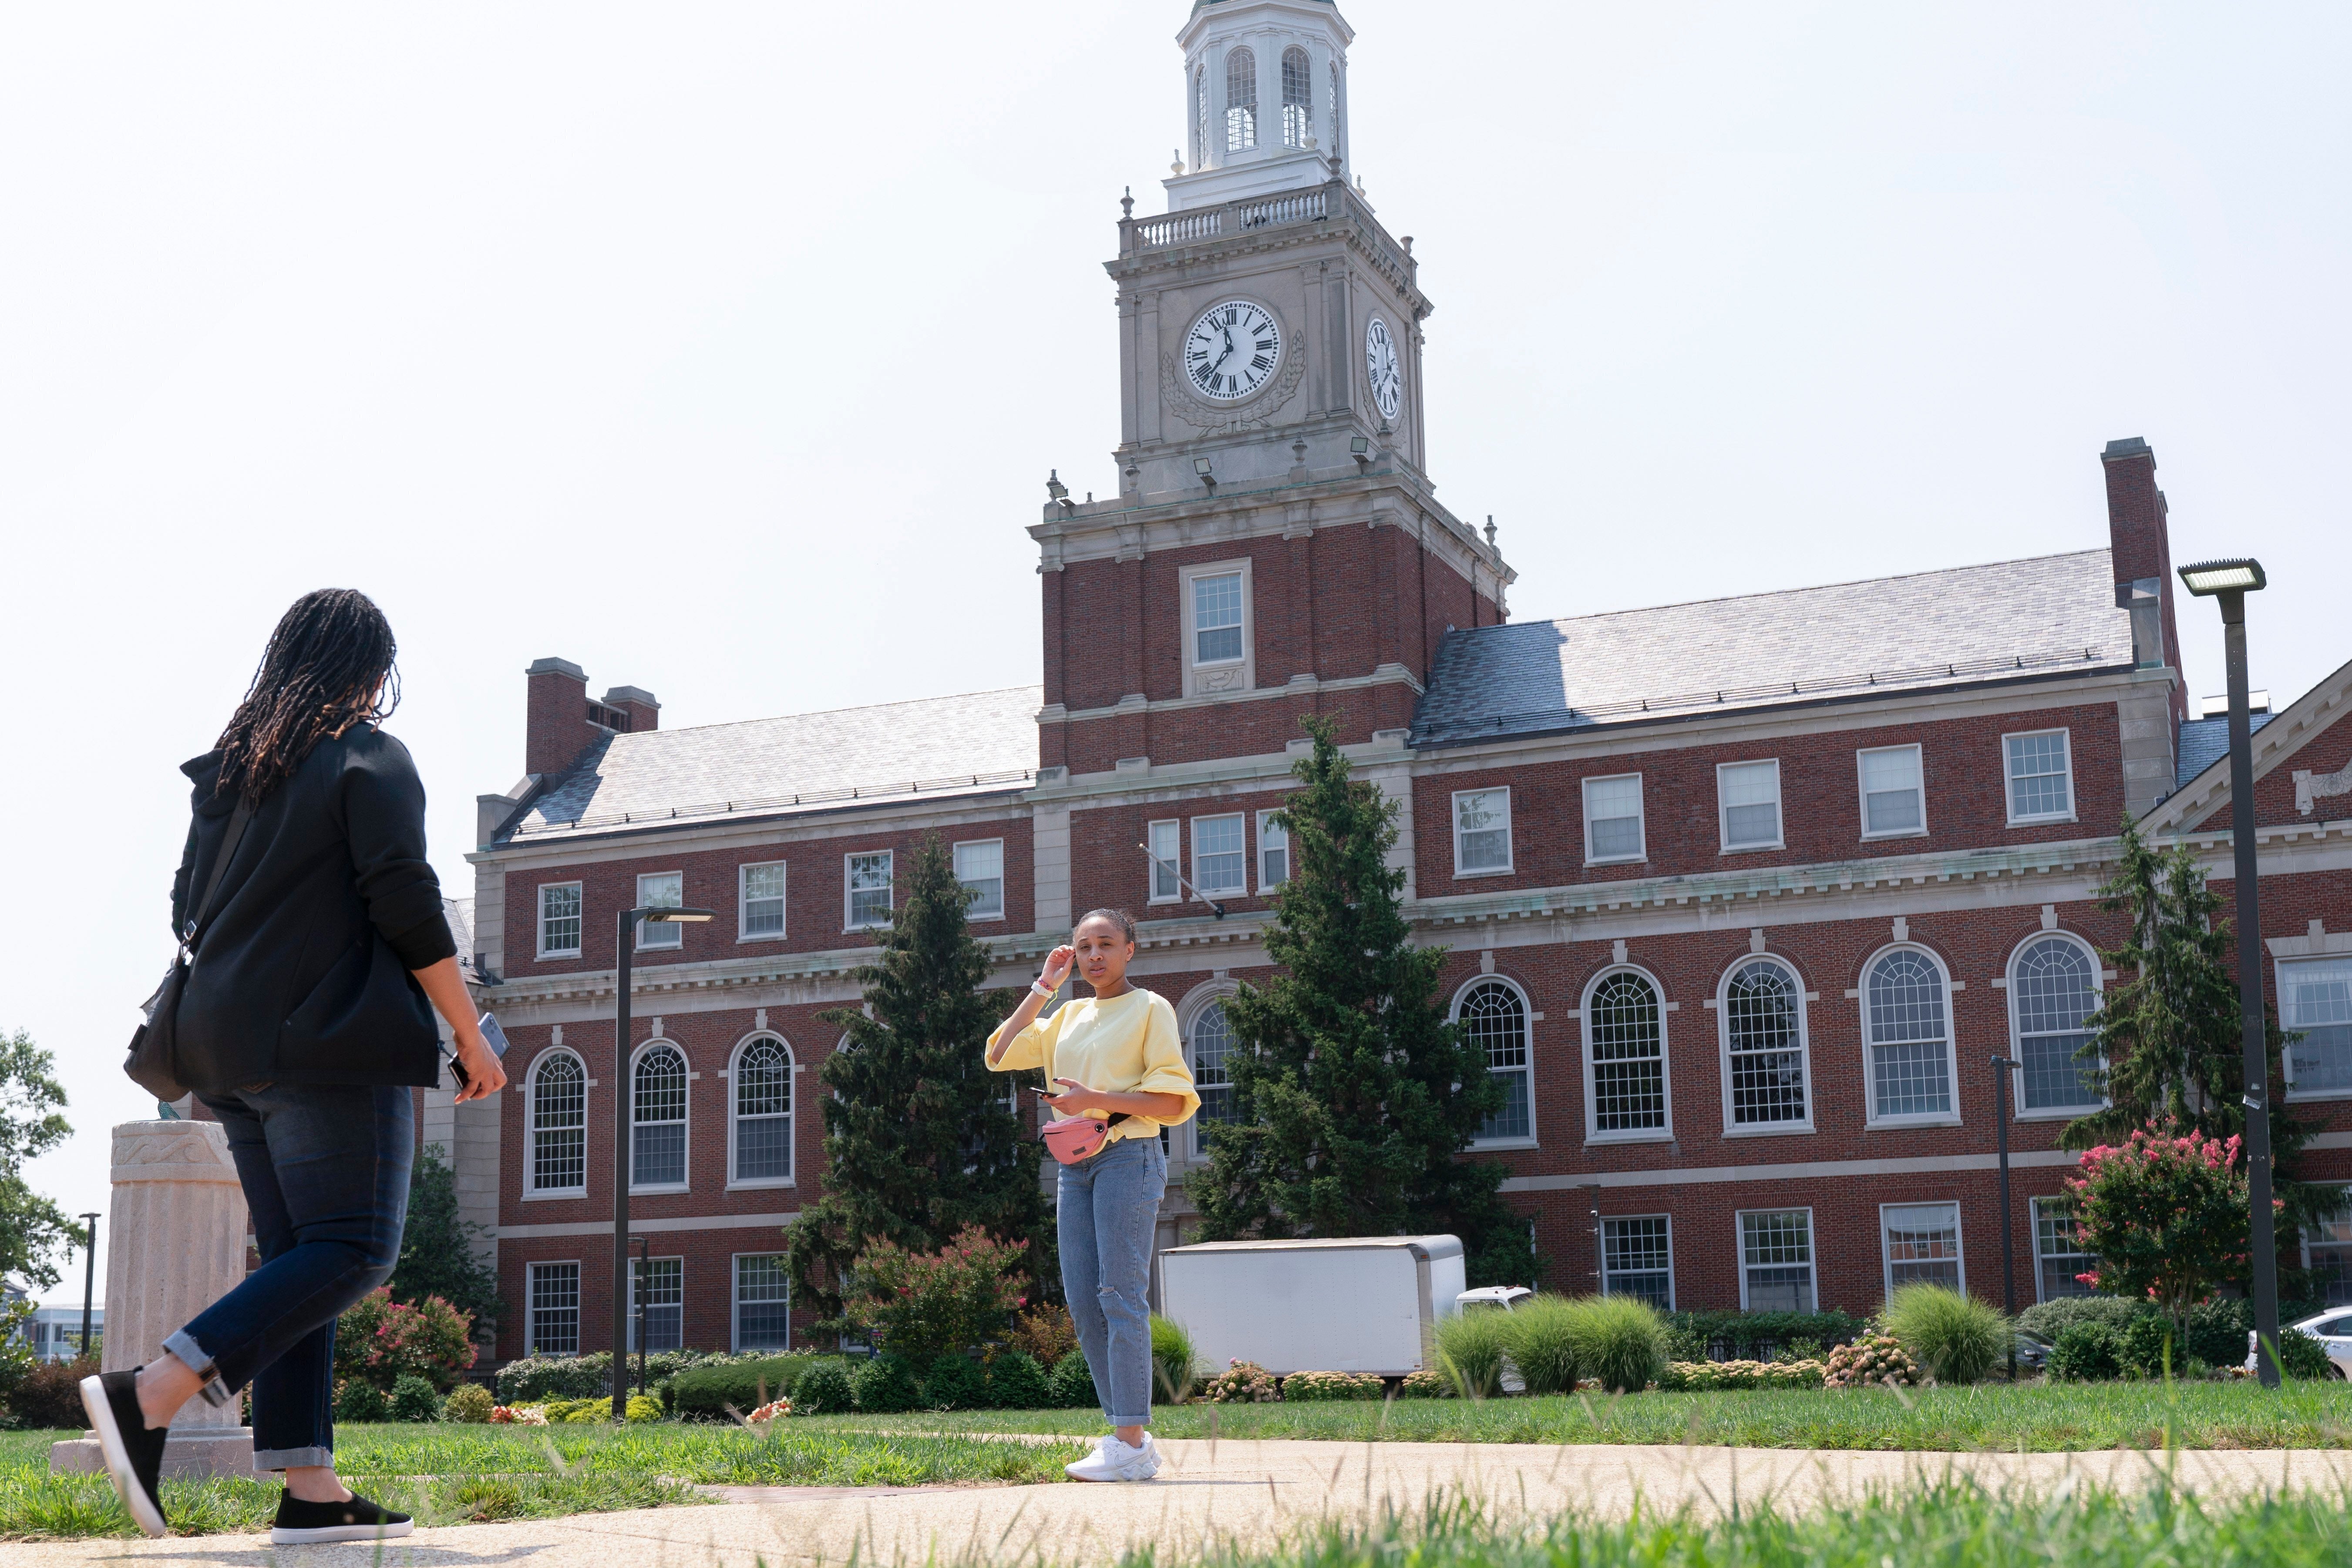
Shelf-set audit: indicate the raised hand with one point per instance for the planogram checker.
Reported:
(1058, 965)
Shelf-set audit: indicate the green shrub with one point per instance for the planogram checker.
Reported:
(954, 1382)
(1470, 1350)
(1071, 1385)
(1304, 1386)
(2147, 1349)
(704, 1393)
(1756, 1336)
(1621, 1340)
(823, 1390)
(1541, 1343)
(380, 1341)
(1015, 1381)
(362, 1400)
(885, 1385)
(2048, 1320)
(414, 1398)
(919, 1305)
(1241, 1383)
(534, 1379)
(2086, 1351)
(2299, 1354)
(468, 1403)
(1427, 1384)
(643, 1407)
(1683, 1376)
(50, 1393)
(1174, 1365)
(2217, 1330)
(1959, 1337)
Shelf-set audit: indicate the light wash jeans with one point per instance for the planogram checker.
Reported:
(1107, 1208)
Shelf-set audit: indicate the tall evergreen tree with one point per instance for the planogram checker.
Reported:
(436, 1248)
(920, 1140)
(1354, 1097)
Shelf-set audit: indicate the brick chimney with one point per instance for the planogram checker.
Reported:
(556, 726)
(2142, 549)
(637, 705)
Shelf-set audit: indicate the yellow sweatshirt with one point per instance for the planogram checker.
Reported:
(1128, 1045)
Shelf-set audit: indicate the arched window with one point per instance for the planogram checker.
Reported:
(1907, 1021)
(1241, 101)
(1297, 97)
(1625, 1035)
(1200, 118)
(1494, 1019)
(1764, 1045)
(657, 1114)
(1212, 1039)
(762, 1084)
(559, 1123)
(2054, 987)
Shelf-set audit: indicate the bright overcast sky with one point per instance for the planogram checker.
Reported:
(724, 350)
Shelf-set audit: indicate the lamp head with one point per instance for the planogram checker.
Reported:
(2207, 578)
(1203, 466)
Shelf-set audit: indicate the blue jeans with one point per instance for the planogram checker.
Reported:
(1107, 1209)
(325, 1172)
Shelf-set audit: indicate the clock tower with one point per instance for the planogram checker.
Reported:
(1275, 545)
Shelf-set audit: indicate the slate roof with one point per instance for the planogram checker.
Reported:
(2204, 741)
(980, 742)
(1960, 627)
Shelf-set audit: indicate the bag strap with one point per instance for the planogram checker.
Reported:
(229, 841)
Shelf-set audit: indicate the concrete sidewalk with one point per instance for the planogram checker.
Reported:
(1249, 1491)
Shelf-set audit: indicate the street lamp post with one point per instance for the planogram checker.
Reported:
(645, 1264)
(2229, 582)
(2002, 1067)
(88, 1278)
(623, 942)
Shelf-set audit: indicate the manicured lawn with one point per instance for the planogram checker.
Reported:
(2035, 1417)
(450, 1475)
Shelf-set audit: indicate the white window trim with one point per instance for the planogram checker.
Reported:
(2343, 1191)
(735, 1302)
(743, 900)
(1193, 827)
(530, 1125)
(1534, 1140)
(629, 1330)
(1723, 812)
(1959, 1241)
(1290, 852)
(1222, 675)
(1862, 793)
(2034, 1225)
(1003, 900)
(791, 1117)
(1152, 860)
(1188, 1151)
(642, 926)
(1813, 1245)
(539, 936)
(1642, 815)
(848, 855)
(2017, 1036)
(2279, 966)
(2008, 796)
(1804, 1048)
(1510, 833)
(1670, 1254)
(629, 1087)
(1870, 1117)
(530, 1270)
(1593, 1134)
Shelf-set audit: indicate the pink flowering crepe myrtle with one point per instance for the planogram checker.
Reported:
(2165, 1213)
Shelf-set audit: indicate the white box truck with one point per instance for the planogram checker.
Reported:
(1364, 1303)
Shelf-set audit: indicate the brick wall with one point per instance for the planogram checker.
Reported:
(2326, 750)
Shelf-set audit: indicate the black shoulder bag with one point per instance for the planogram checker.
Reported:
(153, 1062)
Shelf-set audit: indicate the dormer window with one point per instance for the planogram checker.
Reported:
(1241, 101)
(1297, 97)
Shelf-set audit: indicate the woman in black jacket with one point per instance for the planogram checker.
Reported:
(304, 1023)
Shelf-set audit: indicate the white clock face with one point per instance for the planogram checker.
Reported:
(1231, 351)
(1380, 365)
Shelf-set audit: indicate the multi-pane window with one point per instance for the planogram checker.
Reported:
(1240, 101)
(2058, 1259)
(657, 1288)
(559, 1124)
(558, 920)
(763, 1085)
(1626, 1041)
(1893, 800)
(658, 1118)
(1910, 1036)
(1763, 1031)
(1213, 1043)
(1167, 866)
(2041, 782)
(1775, 1261)
(1493, 1020)
(1612, 819)
(979, 867)
(660, 891)
(1220, 855)
(1923, 1243)
(2315, 999)
(1297, 97)
(1482, 831)
(1217, 618)
(868, 879)
(763, 1302)
(1637, 1259)
(2327, 1253)
(554, 1309)
(1749, 793)
(1273, 854)
(2053, 991)
(762, 915)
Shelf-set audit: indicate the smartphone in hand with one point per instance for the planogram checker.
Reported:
(492, 1036)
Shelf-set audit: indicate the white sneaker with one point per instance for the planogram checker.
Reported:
(1113, 1460)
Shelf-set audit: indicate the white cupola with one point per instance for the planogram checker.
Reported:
(1265, 98)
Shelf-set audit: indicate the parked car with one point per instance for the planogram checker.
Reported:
(2032, 1351)
(2332, 1329)
(1503, 1296)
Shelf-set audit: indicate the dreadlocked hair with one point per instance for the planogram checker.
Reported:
(329, 666)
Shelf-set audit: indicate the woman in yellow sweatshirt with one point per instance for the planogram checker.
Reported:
(1116, 1057)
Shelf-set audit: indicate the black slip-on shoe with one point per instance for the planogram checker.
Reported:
(358, 1519)
(133, 1450)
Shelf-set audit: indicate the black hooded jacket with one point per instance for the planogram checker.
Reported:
(303, 972)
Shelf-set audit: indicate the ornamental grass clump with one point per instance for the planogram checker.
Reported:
(1619, 1340)
(1959, 1337)
(1540, 1333)
(1870, 1361)
(1470, 1350)
(1174, 1362)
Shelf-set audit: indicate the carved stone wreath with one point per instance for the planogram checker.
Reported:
(2311, 788)
(1176, 395)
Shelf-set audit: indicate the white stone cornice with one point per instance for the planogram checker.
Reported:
(1384, 675)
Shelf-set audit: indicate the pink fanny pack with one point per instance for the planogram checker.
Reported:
(1076, 1138)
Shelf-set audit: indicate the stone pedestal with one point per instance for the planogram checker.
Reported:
(176, 1244)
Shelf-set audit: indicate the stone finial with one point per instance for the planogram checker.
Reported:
(1490, 533)
(1127, 204)
(1178, 166)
